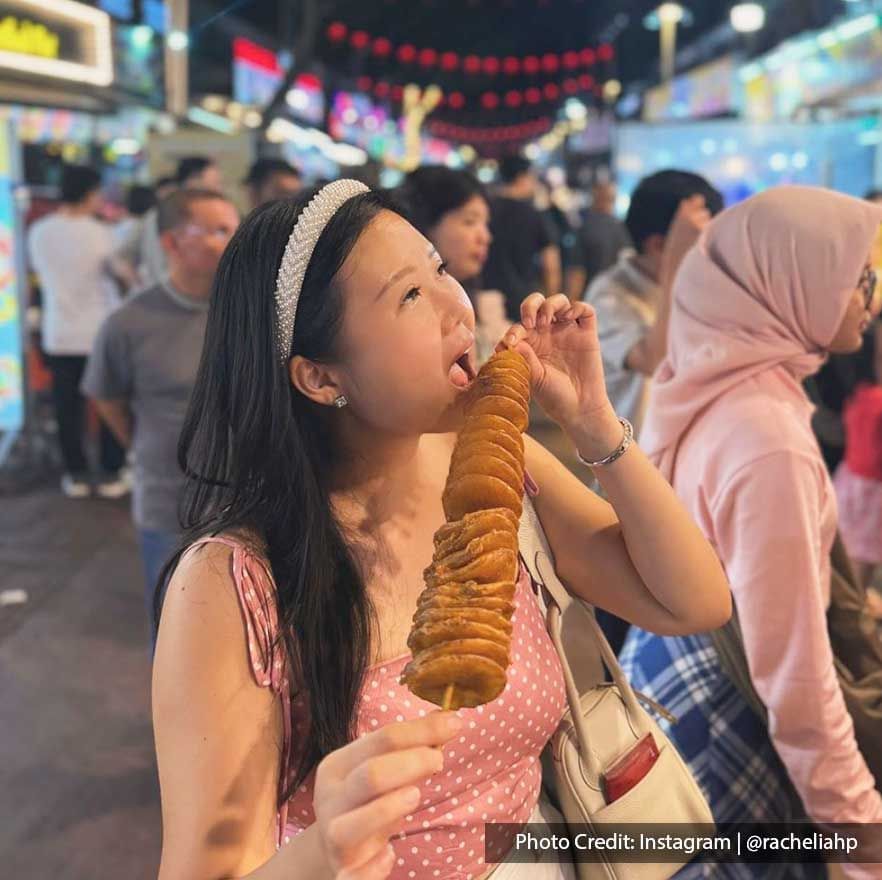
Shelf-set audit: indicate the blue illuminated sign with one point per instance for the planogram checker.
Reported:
(11, 373)
(123, 9)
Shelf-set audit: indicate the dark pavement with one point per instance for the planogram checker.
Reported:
(79, 797)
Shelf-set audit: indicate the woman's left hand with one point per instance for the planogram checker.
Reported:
(559, 340)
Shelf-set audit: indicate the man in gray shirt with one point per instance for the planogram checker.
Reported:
(143, 365)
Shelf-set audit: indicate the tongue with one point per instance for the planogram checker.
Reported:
(458, 376)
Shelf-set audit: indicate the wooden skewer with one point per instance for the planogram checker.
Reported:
(448, 697)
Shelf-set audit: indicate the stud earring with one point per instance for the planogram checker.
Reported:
(340, 401)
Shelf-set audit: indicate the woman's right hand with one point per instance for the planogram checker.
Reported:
(364, 790)
(689, 222)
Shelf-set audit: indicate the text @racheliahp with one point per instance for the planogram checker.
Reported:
(758, 842)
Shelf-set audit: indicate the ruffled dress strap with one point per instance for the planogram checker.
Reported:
(256, 591)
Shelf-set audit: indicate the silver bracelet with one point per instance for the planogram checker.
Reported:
(618, 452)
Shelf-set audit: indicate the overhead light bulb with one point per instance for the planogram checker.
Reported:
(141, 36)
(177, 41)
(746, 18)
(671, 13)
(612, 89)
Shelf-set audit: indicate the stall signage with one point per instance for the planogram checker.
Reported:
(11, 374)
(702, 92)
(813, 69)
(257, 73)
(27, 37)
(57, 38)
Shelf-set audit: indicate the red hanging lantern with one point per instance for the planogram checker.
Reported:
(449, 61)
(472, 64)
(456, 100)
(490, 100)
(428, 57)
(364, 83)
(381, 47)
(571, 60)
(551, 92)
(514, 98)
(586, 56)
(533, 95)
(550, 63)
(406, 53)
(570, 86)
(359, 39)
(397, 92)
(605, 52)
(381, 89)
(531, 64)
(511, 65)
(337, 31)
(491, 65)
(586, 81)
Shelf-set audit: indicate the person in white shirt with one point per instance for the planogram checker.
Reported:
(69, 250)
(666, 213)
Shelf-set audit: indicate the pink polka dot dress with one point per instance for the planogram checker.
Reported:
(491, 772)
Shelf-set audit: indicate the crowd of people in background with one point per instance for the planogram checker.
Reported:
(714, 334)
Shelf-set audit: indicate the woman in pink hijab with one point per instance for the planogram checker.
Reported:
(773, 285)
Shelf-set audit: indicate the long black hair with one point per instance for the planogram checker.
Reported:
(258, 454)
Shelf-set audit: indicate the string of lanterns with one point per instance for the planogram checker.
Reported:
(339, 33)
(489, 100)
(482, 135)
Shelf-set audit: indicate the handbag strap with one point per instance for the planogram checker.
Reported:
(728, 643)
(539, 561)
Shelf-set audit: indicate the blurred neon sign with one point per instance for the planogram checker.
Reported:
(57, 38)
(27, 37)
(813, 68)
(11, 374)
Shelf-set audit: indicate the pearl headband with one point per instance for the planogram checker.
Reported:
(298, 252)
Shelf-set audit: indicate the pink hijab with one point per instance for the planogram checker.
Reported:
(767, 285)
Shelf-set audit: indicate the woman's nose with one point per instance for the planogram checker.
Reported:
(454, 307)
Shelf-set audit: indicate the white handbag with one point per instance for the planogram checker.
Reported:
(604, 722)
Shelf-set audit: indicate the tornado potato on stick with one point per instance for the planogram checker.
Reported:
(461, 632)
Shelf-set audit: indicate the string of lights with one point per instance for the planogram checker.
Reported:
(339, 34)
(490, 100)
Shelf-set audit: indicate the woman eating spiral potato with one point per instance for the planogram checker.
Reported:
(349, 481)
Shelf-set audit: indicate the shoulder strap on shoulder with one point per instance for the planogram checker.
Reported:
(532, 541)
(573, 620)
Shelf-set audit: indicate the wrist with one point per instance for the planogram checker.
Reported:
(596, 435)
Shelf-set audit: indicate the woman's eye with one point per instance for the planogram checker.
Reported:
(412, 294)
(442, 268)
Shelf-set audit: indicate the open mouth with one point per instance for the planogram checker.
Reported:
(462, 371)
